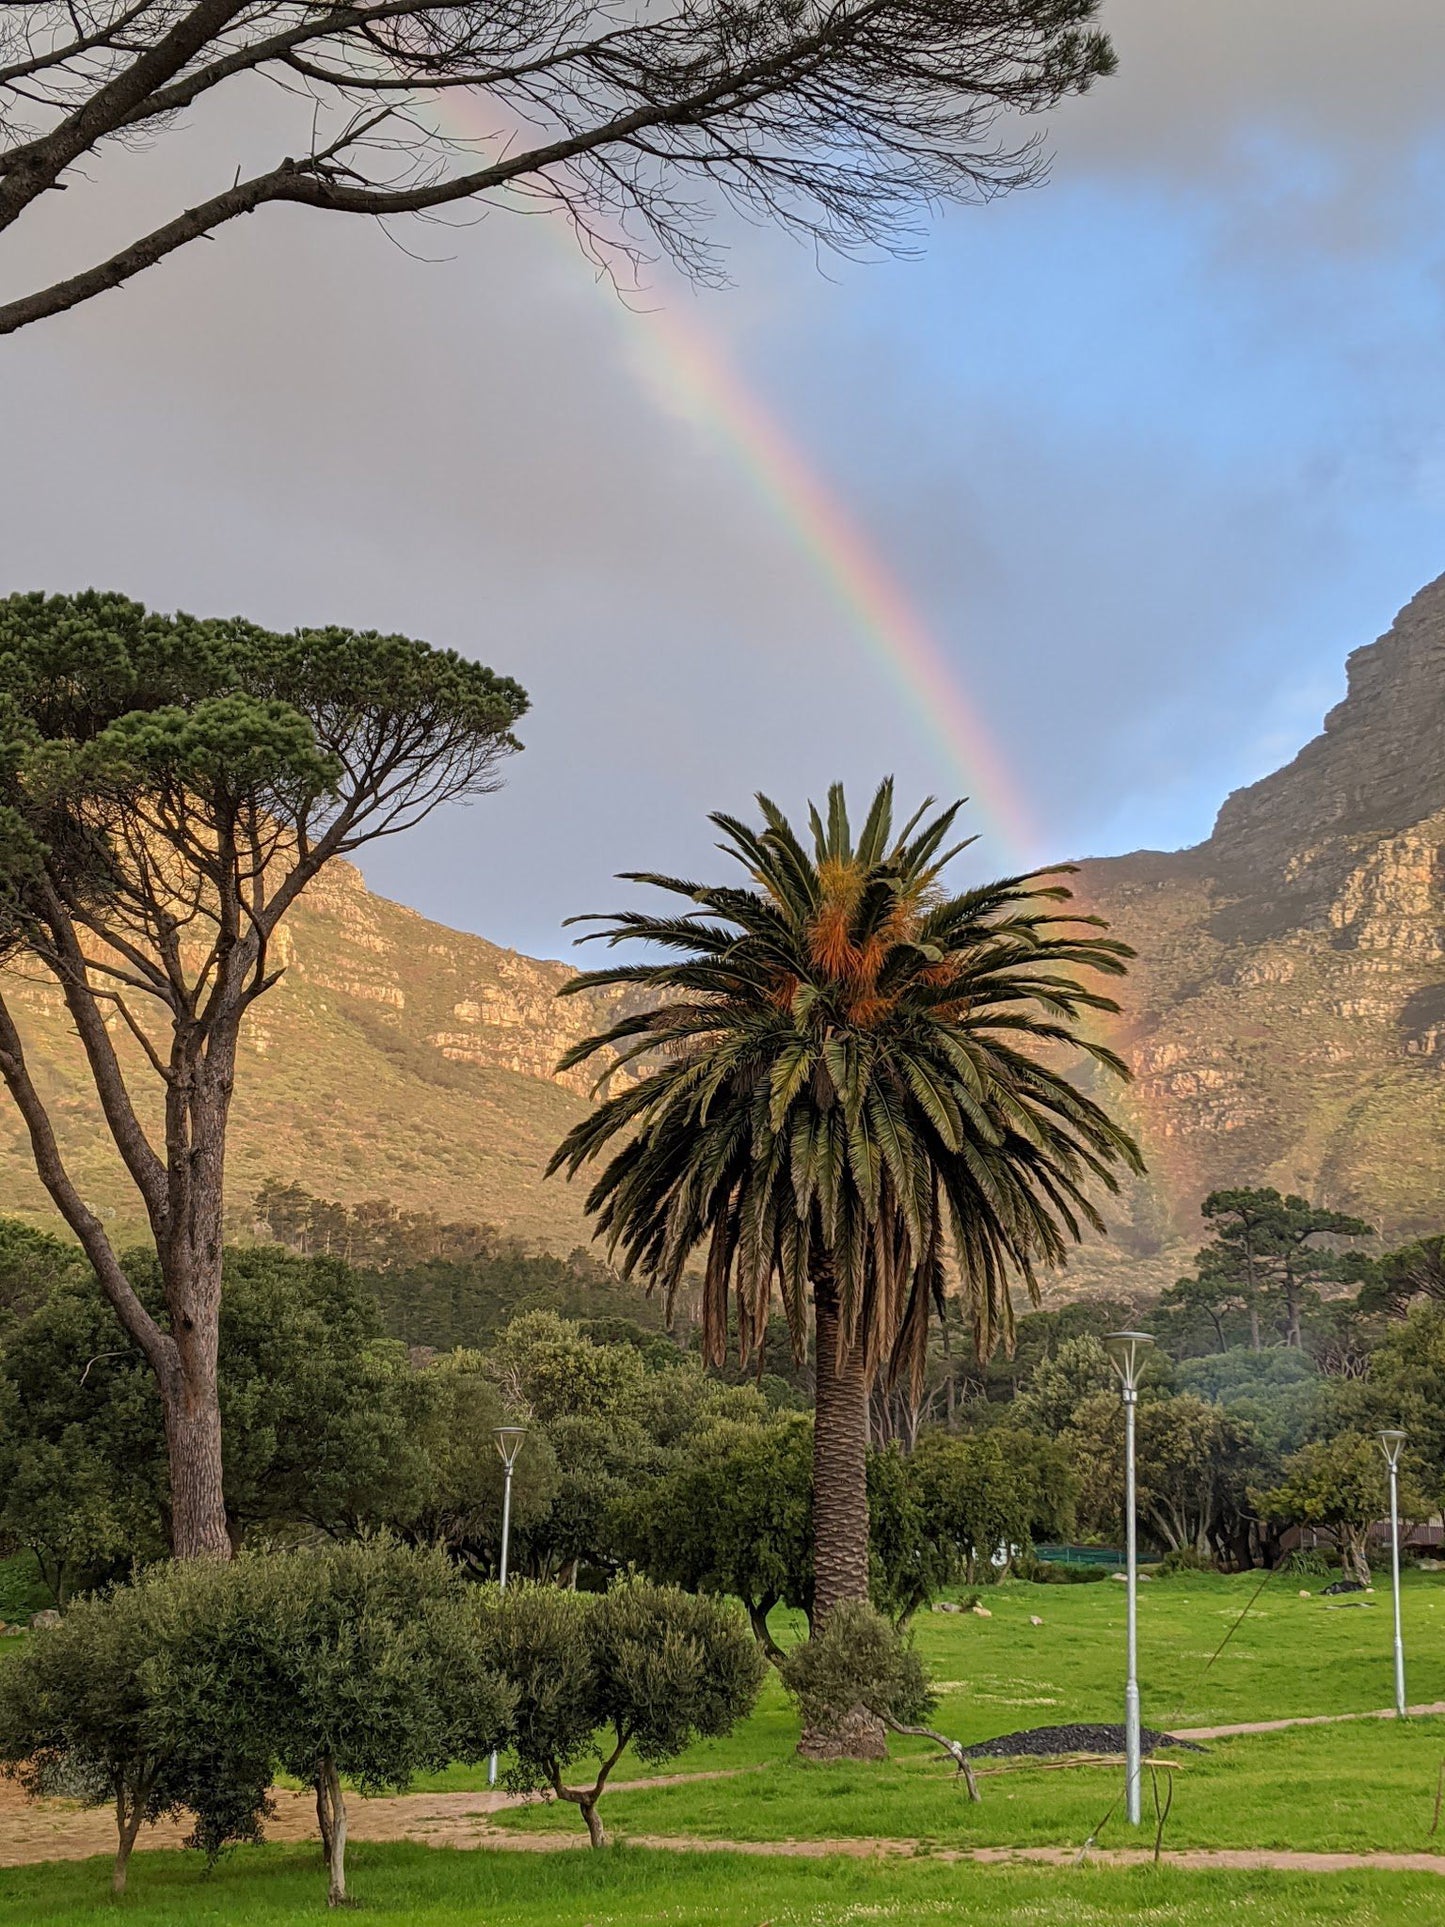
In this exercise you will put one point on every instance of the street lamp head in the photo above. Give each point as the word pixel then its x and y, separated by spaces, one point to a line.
pixel 509 1442
pixel 1124 1349
pixel 1390 1443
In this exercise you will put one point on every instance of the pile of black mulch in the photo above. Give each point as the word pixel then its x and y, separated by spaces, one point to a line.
pixel 1047 1742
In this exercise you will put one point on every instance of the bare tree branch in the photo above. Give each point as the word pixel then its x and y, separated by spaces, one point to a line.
pixel 840 119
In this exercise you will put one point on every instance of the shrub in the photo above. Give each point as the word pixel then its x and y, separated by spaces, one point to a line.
pixel 644 1666
pixel 132 1699
pixel 1311 1562
pixel 365 1665
pixel 858 1661
pixel 1184 1559
pixel 187 1689
pixel 1054 1572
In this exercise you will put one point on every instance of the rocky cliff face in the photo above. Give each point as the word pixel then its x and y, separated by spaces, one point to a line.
pixel 1287 1017
pixel 1286 1020
pixel 1376 770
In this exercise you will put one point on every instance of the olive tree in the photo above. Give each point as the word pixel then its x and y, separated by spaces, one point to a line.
pixel 135 1699
pixel 367 1666
pixel 168 789
pixel 840 121
pixel 855 1676
pixel 641 1666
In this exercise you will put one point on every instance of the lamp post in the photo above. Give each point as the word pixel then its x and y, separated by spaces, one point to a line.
pixel 1124 1349
pixel 509 1443
pixel 1390 1443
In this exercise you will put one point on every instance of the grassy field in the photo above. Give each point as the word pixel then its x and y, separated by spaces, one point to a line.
pixel 434 1887
pixel 1362 1787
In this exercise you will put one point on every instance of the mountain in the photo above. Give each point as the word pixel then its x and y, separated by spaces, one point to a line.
pixel 1286 1019
pixel 395 1059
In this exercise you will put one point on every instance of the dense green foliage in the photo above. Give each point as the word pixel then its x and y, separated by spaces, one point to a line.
pixel 322 1416
pixel 641 1666
pixel 446 1285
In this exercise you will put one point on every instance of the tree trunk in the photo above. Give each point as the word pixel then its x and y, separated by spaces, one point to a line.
pixel 840 1513
pixel 323 1818
pixel 1254 1344
pixel 331 1810
pixel 1352 1553
pixel 127 1826
pixel 193 1446
pixel 595 1832
pixel 758 1610
pixel 191 1254
pixel 840 1465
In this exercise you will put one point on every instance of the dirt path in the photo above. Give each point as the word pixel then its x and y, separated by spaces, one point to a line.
pixel 1310 1719
pixel 1242 1859
pixel 58 1830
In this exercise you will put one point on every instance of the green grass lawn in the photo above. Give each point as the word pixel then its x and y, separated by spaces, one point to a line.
pixel 1288 1656
pixel 428 1886
pixel 22 1591
pixel 1362 1787
pixel 1371 1789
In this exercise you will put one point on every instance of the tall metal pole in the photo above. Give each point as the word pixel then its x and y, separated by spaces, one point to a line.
pixel 509 1444
pixel 1132 1767
pixel 1124 1349
pixel 1390 1443
pixel 506 1526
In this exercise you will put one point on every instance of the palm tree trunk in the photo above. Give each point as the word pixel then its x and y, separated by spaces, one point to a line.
pixel 840 1464
pixel 840 1515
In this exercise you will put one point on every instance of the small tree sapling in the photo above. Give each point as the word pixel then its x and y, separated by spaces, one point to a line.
pixel 645 1666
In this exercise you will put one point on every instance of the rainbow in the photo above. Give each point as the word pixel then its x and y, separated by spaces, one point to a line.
pixel 686 371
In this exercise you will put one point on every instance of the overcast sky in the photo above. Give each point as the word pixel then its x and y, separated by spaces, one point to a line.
pixel 1149 450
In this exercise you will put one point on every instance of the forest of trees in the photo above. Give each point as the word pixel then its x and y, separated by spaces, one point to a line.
pixel 360 1384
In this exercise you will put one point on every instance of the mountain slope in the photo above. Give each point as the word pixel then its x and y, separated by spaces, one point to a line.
pixel 1286 1020
pixel 395 1058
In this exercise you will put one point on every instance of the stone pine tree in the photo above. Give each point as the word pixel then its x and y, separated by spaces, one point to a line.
pixel 840 121
pixel 849 1077
pixel 168 788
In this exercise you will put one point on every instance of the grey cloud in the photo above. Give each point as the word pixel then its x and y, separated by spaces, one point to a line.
pixel 301 422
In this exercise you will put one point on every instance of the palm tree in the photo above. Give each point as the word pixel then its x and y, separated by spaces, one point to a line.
pixel 845 1077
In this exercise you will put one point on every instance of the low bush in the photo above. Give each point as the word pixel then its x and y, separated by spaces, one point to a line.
pixel 186 1690
pixel 858 1664
pixel 1054 1572
pixel 1184 1559
pixel 131 1700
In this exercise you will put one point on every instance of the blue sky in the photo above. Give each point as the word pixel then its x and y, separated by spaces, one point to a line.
pixel 1152 447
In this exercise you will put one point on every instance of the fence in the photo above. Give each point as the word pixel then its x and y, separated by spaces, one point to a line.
pixel 1080 1555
